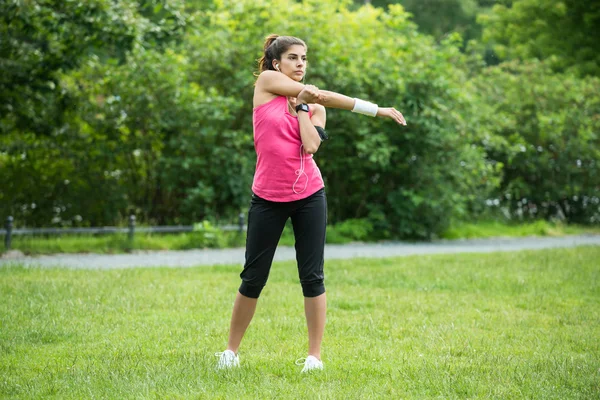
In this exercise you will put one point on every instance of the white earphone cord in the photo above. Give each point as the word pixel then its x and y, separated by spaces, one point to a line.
pixel 300 172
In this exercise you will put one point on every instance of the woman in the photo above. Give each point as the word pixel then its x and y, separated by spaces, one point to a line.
pixel 289 120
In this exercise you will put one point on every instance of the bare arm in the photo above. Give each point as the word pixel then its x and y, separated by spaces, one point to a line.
pixel 319 115
pixel 308 133
pixel 282 85
pixel 337 100
pixel 279 84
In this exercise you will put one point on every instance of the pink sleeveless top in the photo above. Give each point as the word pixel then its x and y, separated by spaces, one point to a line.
pixel 284 172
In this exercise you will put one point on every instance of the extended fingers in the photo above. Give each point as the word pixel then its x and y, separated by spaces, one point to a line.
pixel 402 120
pixel 398 117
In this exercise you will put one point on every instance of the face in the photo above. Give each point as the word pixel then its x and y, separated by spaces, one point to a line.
pixel 293 62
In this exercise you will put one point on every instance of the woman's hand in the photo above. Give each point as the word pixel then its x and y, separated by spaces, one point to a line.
pixel 391 113
pixel 310 94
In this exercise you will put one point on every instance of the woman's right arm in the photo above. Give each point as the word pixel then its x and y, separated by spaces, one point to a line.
pixel 282 85
pixel 337 100
pixel 277 83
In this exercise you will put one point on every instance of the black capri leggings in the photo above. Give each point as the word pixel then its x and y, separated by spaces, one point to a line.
pixel 266 220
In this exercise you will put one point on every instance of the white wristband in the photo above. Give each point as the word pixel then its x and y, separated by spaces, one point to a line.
pixel 364 107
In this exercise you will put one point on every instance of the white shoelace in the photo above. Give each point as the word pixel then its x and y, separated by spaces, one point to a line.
pixel 309 363
pixel 221 353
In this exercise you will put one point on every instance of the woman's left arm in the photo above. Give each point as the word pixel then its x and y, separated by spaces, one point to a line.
pixel 308 133
pixel 319 115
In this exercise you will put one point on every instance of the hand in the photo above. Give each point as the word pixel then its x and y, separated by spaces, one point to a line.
pixel 310 94
pixel 391 113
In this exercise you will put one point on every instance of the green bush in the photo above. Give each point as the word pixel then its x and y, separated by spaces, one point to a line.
pixel 209 236
pixel 544 128
pixel 350 230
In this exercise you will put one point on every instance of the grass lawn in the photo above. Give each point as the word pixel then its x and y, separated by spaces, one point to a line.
pixel 486 229
pixel 118 243
pixel 504 325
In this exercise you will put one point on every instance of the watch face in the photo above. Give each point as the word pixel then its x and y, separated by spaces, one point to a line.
pixel 302 107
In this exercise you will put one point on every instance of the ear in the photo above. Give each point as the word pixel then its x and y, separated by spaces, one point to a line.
pixel 276 65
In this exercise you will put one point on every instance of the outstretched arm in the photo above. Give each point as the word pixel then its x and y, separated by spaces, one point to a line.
pixel 337 100
pixel 280 84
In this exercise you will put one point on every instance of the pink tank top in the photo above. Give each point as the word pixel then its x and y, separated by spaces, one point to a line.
pixel 284 172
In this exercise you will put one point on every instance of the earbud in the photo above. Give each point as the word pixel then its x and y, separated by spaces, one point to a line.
pixel 277 67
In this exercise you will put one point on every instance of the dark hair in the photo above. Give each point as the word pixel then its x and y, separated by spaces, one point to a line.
pixel 275 46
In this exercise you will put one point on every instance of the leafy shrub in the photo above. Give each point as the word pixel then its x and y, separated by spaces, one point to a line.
pixel 210 235
pixel 350 230
pixel 544 128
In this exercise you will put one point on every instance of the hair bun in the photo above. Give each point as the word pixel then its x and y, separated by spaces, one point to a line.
pixel 269 40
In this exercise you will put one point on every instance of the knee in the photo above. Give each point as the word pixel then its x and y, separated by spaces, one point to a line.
pixel 252 291
pixel 313 288
pixel 254 278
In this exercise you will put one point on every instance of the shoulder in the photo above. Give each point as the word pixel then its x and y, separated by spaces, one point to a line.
pixel 261 93
pixel 266 76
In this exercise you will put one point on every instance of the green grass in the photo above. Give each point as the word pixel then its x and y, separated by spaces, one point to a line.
pixel 488 229
pixel 119 243
pixel 504 325
pixel 339 234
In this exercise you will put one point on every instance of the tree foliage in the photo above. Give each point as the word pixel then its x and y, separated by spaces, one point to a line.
pixel 544 128
pixel 42 39
pixel 113 107
pixel 563 32
pixel 440 18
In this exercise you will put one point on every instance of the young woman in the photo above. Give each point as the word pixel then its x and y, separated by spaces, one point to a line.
pixel 289 120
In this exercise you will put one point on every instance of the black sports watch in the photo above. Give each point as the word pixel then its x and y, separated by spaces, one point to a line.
pixel 302 107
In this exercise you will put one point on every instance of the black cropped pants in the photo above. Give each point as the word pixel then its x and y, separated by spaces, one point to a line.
pixel 266 221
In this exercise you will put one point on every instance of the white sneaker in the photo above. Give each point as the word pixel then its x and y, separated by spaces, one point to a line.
pixel 227 359
pixel 310 363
